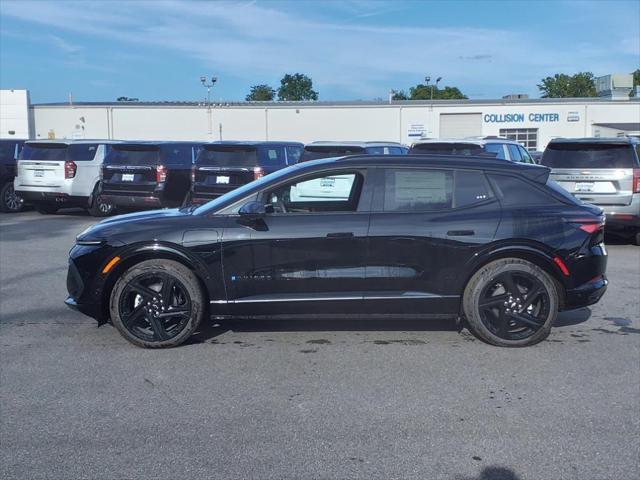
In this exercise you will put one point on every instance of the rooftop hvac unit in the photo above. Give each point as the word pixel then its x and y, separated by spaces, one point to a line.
pixel 615 87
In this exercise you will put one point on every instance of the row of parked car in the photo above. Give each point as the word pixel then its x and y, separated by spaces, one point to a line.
pixel 106 175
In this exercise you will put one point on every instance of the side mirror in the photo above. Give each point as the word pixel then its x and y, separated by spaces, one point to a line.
pixel 253 209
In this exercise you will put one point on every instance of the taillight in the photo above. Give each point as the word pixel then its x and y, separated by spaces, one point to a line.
pixel 70 169
pixel 101 173
pixel 561 265
pixel 257 173
pixel 636 180
pixel 590 227
pixel 161 173
pixel 193 174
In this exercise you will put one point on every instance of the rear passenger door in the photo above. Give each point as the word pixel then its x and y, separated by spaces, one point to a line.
pixel 425 226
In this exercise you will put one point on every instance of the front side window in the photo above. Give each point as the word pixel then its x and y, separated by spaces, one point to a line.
pixel 329 192
pixel 496 148
pixel 514 153
pixel 293 154
pixel 526 158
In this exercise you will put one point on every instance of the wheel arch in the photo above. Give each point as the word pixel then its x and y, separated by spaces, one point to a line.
pixel 536 256
pixel 154 251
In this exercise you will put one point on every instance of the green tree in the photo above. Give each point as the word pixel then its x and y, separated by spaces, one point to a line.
pixel 399 95
pixel 261 93
pixel 427 92
pixel 636 82
pixel 127 99
pixel 296 87
pixel 561 85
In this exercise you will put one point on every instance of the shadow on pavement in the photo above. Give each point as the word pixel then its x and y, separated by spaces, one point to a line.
pixel 494 473
pixel 572 317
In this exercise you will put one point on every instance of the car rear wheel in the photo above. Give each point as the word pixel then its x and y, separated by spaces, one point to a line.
pixel 99 207
pixel 46 209
pixel 636 238
pixel 10 201
pixel 511 303
pixel 157 303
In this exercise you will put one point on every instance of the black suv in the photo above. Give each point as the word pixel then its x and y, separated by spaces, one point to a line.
pixel 148 174
pixel 496 147
pixel 223 166
pixel 318 150
pixel 10 202
pixel 492 241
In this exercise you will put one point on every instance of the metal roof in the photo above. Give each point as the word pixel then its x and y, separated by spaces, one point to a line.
pixel 627 127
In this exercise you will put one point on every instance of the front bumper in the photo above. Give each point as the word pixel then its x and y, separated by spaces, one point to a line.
pixel 586 294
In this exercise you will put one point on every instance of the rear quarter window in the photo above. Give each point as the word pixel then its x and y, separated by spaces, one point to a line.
pixel 589 156
pixel 514 191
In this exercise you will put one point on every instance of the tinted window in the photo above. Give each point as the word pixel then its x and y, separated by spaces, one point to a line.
pixel 447 148
pixel 293 154
pixel 384 151
pixel 580 155
pixel 526 158
pixel 325 193
pixel 314 153
pixel 470 187
pixel 82 152
pixel 42 151
pixel 409 190
pixel 271 156
pixel 133 155
pixel 7 152
pixel 515 191
pixel 228 156
pixel 514 153
pixel 496 148
pixel 177 154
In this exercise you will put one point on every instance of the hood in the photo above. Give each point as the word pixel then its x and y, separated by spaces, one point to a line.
pixel 166 224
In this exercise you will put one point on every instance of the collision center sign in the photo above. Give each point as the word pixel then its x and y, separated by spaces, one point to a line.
pixel 520 117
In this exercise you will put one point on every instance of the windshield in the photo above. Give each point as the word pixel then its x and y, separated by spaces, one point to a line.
pixel 585 156
pixel 447 148
pixel 228 156
pixel 237 194
pixel 315 153
pixel 133 155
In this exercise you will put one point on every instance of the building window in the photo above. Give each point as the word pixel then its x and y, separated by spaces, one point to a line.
pixel 528 137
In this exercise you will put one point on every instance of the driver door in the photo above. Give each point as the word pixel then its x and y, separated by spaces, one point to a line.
pixel 310 246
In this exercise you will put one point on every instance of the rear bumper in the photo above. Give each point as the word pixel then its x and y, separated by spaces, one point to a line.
pixel 59 198
pixel 145 200
pixel 586 294
pixel 623 216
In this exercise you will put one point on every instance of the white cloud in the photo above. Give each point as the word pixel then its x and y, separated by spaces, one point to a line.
pixel 249 40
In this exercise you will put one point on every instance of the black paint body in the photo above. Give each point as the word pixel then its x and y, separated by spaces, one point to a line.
pixel 369 260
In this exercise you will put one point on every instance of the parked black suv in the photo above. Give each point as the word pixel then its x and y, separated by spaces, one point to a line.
pixel 223 166
pixel 492 241
pixel 496 147
pixel 318 150
pixel 148 174
pixel 10 202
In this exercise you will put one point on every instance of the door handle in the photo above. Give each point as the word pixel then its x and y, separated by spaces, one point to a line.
pixel 460 233
pixel 340 235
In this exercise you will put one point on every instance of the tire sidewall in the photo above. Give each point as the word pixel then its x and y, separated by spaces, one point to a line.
pixel 3 206
pixel 484 276
pixel 170 267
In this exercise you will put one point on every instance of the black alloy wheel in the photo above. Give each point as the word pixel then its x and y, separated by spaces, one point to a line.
pixel 157 303
pixel 10 201
pixel 511 302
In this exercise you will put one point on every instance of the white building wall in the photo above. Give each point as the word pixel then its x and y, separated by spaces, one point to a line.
pixel 14 114
pixel 395 122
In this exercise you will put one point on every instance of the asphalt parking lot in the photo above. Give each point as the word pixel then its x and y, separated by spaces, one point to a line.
pixel 341 398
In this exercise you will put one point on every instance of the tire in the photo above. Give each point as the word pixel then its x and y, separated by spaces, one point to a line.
pixel 636 238
pixel 10 201
pixel 100 208
pixel 137 308
pixel 47 209
pixel 500 318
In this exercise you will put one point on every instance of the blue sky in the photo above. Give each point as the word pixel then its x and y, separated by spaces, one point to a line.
pixel 157 50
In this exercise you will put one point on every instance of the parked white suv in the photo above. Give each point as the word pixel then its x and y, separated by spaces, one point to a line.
pixel 54 174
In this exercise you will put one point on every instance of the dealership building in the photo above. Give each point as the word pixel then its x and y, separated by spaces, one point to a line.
pixel 532 122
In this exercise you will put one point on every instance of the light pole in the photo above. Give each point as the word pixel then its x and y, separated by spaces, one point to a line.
pixel 428 79
pixel 208 86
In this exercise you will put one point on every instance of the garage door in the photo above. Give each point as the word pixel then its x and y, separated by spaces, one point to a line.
pixel 460 125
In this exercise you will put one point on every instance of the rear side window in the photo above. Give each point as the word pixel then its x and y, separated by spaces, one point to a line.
pixel 496 148
pixel 315 153
pixel 271 156
pixel 82 152
pixel 448 148
pixel 241 156
pixel 586 156
pixel 514 191
pixel 410 190
pixel 177 154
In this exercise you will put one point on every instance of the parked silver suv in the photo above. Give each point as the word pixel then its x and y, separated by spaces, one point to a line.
pixel 602 171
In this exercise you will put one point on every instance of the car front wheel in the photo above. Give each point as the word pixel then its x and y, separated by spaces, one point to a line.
pixel 10 201
pixel 157 303
pixel 511 303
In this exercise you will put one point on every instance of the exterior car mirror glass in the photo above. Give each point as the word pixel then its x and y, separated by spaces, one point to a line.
pixel 253 208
